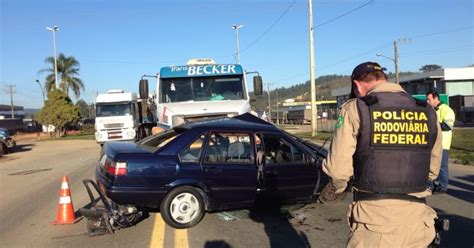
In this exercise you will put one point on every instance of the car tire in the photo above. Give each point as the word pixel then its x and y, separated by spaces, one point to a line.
pixel 183 207
pixel 3 149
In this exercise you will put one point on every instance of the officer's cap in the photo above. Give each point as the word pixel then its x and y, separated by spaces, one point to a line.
pixel 366 67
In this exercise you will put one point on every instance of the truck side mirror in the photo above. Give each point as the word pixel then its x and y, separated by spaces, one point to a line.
pixel 257 85
pixel 143 88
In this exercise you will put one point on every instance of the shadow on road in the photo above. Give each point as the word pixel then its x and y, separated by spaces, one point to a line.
pixel 275 218
pixel 217 244
pixel 469 178
pixel 459 231
pixel 23 147
pixel 467 194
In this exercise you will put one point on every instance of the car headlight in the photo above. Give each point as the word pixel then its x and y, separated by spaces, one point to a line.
pixel 98 136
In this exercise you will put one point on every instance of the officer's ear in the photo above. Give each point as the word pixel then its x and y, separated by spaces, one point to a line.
pixel 354 90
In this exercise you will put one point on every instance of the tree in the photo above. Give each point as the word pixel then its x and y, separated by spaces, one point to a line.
pixel 68 72
pixel 430 67
pixel 84 109
pixel 58 111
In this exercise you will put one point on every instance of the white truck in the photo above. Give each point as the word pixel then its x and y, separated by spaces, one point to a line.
pixel 117 116
pixel 199 90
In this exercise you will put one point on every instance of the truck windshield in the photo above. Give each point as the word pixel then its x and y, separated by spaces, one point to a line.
pixel 201 89
pixel 103 110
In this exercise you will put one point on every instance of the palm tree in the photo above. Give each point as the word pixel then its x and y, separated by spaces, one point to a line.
pixel 68 72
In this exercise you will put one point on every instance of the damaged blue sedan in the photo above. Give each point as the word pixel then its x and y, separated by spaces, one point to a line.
pixel 211 165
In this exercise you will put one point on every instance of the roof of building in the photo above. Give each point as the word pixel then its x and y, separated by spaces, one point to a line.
pixel 5 107
pixel 447 74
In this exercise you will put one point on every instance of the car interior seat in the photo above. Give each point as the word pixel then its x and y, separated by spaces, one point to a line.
pixel 236 153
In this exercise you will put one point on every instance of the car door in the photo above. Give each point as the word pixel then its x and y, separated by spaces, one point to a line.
pixel 288 173
pixel 229 169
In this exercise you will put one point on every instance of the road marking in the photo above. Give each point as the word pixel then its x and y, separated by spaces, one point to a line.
pixel 181 238
pixel 158 233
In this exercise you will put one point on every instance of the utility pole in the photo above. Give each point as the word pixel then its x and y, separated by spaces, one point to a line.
pixel 236 28
pixel 54 29
pixel 314 117
pixel 269 103
pixel 277 113
pixel 395 59
pixel 395 56
pixel 11 90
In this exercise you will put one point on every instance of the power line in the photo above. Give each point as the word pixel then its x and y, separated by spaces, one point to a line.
pixel 442 32
pixel 344 14
pixel 270 27
pixel 431 51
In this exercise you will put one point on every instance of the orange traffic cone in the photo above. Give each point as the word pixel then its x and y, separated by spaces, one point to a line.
pixel 65 213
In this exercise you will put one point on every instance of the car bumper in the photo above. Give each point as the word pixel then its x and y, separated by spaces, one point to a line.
pixel 130 195
pixel 127 134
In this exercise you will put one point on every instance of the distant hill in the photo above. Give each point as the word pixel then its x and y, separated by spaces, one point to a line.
pixel 302 92
pixel 31 111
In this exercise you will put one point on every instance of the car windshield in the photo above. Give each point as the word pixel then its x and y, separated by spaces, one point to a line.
pixel 157 141
pixel 117 109
pixel 201 89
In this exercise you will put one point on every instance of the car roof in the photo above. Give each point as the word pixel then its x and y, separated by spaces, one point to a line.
pixel 245 121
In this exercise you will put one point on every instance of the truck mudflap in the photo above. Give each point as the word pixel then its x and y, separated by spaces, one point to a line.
pixel 104 216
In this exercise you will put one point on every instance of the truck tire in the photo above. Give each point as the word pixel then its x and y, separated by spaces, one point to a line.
pixel 183 207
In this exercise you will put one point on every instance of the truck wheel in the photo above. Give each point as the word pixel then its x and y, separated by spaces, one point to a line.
pixel 183 207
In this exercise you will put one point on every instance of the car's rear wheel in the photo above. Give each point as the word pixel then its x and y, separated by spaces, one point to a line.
pixel 183 207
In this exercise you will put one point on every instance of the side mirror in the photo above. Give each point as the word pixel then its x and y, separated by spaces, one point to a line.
pixel 257 85
pixel 143 89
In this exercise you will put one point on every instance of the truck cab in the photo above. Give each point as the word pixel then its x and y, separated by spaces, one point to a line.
pixel 117 116
pixel 199 90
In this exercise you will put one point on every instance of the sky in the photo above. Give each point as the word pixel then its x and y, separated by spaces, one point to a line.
pixel 116 42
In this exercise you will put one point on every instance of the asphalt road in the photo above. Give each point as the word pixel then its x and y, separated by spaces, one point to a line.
pixel 30 180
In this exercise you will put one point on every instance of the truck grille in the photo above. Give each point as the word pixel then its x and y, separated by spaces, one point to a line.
pixel 113 125
pixel 114 134
pixel 204 117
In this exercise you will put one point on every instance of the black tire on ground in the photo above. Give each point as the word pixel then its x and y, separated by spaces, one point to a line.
pixel 167 208
pixel 3 149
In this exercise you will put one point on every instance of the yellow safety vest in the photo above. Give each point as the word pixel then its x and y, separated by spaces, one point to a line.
pixel 446 115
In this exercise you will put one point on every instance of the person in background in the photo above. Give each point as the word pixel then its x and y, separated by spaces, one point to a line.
pixel 446 119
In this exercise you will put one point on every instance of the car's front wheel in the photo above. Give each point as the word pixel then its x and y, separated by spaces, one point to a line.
pixel 183 207
pixel 3 149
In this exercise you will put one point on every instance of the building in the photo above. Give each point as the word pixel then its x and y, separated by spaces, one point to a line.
pixel 6 111
pixel 455 86
pixel 6 120
pixel 449 81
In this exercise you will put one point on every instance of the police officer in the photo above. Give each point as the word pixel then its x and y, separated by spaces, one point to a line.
pixel 391 145
pixel 446 119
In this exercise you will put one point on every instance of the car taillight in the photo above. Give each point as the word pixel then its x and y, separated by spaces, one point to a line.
pixel 116 168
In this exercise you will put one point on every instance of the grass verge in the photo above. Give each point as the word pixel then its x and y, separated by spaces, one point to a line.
pixel 77 137
pixel 462 147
